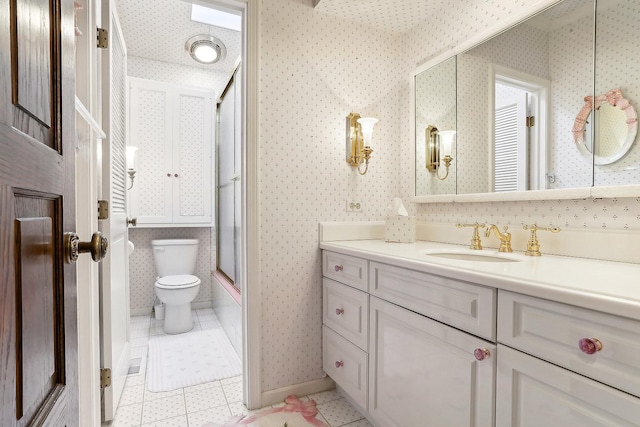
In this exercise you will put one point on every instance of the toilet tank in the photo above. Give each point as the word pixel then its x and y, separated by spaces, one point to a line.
pixel 174 256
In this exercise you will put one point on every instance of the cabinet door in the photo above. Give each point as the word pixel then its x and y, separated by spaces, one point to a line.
pixel 533 393
pixel 150 130
pixel 172 126
pixel 423 373
pixel 192 163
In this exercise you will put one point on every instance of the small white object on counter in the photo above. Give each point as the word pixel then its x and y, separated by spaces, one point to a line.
pixel 399 226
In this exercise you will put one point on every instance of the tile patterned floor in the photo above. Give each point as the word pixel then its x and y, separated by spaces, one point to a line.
pixel 214 401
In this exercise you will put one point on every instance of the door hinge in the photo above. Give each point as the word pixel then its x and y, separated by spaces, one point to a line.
pixel 103 38
pixel 105 377
pixel 531 121
pixel 103 209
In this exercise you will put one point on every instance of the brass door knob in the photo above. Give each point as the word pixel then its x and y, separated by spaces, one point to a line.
pixel 73 247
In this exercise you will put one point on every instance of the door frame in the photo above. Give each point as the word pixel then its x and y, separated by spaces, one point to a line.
pixel 90 134
pixel 251 297
pixel 540 89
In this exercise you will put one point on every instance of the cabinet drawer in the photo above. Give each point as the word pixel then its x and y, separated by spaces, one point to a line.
pixel 552 331
pixel 346 364
pixel 345 269
pixel 532 393
pixel 346 311
pixel 460 304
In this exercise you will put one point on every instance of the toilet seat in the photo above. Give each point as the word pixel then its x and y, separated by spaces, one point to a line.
pixel 179 281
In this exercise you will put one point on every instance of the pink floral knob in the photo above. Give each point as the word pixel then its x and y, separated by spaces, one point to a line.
pixel 481 353
pixel 339 363
pixel 337 268
pixel 339 311
pixel 590 345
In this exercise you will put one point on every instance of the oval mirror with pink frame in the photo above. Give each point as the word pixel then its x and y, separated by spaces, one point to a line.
pixel 616 129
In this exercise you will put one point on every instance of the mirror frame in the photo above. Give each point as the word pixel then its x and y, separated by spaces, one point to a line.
pixel 616 100
pixel 627 190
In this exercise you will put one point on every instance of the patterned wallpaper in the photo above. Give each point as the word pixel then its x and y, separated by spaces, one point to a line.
pixel 604 214
pixel 314 70
pixel 317 68
pixel 436 106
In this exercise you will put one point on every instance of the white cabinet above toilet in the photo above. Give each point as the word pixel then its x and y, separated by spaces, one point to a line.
pixel 173 129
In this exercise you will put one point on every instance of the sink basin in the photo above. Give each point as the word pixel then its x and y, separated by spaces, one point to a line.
pixel 468 256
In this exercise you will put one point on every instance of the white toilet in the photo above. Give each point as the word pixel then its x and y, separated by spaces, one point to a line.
pixel 176 286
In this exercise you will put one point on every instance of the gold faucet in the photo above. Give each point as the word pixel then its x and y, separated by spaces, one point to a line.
pixel 475 238
pixel 505 237
pixel 533 248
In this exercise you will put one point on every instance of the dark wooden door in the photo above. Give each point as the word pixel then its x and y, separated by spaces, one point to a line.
pixel 38 338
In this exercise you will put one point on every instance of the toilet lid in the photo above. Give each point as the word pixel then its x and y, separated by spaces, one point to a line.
pixel 177 280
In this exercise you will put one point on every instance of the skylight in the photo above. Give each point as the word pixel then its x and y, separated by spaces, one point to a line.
pixel 216 17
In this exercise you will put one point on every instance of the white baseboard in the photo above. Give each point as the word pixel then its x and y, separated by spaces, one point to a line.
pixel 140 311
pixel 272 397
pixel 147 310
pixel 201 304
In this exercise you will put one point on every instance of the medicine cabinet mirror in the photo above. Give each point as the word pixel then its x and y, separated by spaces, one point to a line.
pixel 516 100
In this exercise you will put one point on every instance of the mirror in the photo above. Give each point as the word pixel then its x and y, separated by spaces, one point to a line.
pixel 435 106
pixel 617 126
pixel 537 72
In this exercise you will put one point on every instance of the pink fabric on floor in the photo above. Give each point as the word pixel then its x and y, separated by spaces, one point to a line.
pixel 307 410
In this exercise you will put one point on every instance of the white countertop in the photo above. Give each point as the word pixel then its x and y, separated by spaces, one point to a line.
pixel 610 287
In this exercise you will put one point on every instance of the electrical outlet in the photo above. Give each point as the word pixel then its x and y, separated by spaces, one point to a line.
pixel 353 206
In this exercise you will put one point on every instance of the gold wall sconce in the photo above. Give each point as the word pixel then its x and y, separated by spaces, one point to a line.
pixel 359 134
pixel 131 171
pixel 438 146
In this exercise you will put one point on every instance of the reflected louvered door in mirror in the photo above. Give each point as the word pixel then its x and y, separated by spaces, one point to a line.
pixel 38 339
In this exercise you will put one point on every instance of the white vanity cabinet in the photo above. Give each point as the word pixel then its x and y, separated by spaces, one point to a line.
pixel 573 347
pixel 400 367
pixel 557 339
pixel 173 128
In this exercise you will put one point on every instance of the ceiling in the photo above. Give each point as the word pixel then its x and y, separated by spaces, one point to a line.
pixel 396 16
pixel 158 30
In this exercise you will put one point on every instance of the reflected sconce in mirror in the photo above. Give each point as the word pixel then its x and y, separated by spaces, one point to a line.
pixel 439 146
pixel 131 156
pixel 359 134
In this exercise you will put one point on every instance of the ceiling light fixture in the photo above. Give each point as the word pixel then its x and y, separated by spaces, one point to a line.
pixel 205 49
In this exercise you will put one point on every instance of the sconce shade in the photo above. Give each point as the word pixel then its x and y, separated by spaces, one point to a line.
pixel 446 142
pixel 131 156
pixel 367 124
pixel 359 135
pixel 438 147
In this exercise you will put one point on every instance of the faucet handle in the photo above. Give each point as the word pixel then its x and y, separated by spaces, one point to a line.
pixel 475 238
pixel 533 248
